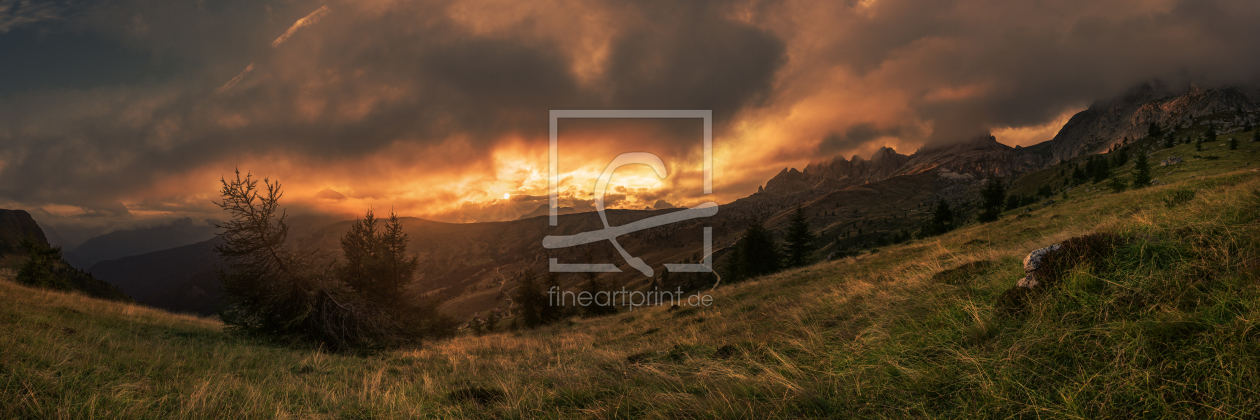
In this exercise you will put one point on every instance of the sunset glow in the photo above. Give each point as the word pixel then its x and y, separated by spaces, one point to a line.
pixel 417 110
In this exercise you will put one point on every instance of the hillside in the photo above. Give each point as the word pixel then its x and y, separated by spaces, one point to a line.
pixel 1164 323
pixel 180 279
pixel 124 243
pixel 1128 117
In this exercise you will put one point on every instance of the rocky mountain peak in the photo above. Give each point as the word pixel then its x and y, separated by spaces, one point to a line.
pixel 979 156
pixel 1108 122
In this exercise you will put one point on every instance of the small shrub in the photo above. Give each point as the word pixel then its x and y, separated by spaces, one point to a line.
pixel 1093 249
pixel 1178 197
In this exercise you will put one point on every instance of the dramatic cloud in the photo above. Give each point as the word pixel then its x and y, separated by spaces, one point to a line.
pixel 115 112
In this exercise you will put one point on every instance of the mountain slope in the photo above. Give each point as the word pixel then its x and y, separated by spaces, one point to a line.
pixel 123 243
pixel 181 279
pixel 1110 122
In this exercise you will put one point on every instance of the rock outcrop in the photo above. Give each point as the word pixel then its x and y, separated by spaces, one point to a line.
pixel 979 157
pixel 1035 260
pixel 1107 123
pixel 14 226
pixel 838 173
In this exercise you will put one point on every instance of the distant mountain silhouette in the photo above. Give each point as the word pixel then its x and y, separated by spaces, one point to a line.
pixel 125 243
pixel 542 211
pixel 180 279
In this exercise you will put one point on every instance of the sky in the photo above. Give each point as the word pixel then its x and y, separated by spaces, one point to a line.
pixel 128 112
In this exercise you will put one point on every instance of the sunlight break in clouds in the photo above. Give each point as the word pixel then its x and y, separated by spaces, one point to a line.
pixel 236 79
pixel 438 109
pixel 310 19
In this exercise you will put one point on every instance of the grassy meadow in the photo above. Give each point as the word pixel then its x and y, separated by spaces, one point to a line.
pixel 1167 325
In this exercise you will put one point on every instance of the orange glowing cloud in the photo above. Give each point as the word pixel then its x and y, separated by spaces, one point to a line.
pixel 439 109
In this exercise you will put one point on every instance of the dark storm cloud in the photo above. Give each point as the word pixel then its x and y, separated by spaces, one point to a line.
pixel 853 138
pixel 463 76
pixel 690 57
pixel 358 80
pixel 973 65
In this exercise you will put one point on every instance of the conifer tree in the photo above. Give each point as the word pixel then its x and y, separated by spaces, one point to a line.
pixel 38 269
pixel 1117 184
pixel 1141 172
pixel 1102 171
pixel 377 264
pixel 994 195
pixel 942 221
pixel 277 290
pixel 530 299
pixel 757 252
pixel 553 308
pixel 492 321
pixel 597 307
pixel 799 241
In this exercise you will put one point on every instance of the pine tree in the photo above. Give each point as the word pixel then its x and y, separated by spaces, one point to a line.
pixel 273 289
pixel 593 287
pixel 38 269
pixel 377 265
pixel 264 290
pixel 400 267
pixel 1141 172
pixel 1233 143
pixel 553 309
pixel 1152 130
pixel 492 320
pixel 1211 133
pixel 758 253
pixel 799 241
pixel 1101 170
pixel 994 195
pixel 1117 184
pixel 1120 158
pixel 530 299
pixel 1198 145
pixel 942 221
pixel 1079 176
